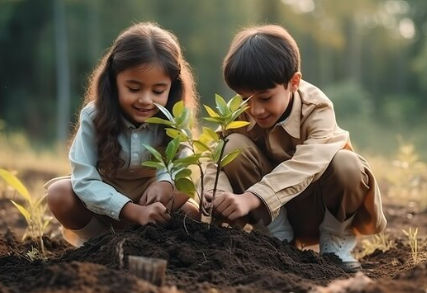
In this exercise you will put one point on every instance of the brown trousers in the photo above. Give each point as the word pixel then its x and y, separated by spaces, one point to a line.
pixel 342 188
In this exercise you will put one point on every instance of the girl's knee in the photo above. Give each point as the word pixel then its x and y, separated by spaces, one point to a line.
pixel 60 195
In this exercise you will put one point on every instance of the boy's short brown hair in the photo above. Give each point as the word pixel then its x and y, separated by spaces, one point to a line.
pixel 261 57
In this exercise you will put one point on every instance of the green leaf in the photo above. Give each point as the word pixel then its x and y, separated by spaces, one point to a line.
pixel 190 160
pixel 186 185
pixel 165 112
pixel 171 149
pixel 152 164
pixel 174 133
pixel 229 157
pixel 183 174
pixel 238 112
pixel 211 112
pixel 235 103
pixel 221 105
pixel 216 120
pixel 23 211
pixel 183 120
pixel 157 120
pixel 178 108
pixel 206 140
pixel 154 152
pixel 200 146
pixel 217 151
pixel 187 133
pixel 236 124
pixel 46 223
pixel 13 181
pixel 210 133
pixel 39 201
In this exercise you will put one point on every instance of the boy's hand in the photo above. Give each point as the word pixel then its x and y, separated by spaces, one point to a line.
pixel 153 213
pixel 157 192
pixel 233 206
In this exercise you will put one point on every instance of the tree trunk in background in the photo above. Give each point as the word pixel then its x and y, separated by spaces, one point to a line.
pixel 354 51
pixel 62 71
pixel 94 35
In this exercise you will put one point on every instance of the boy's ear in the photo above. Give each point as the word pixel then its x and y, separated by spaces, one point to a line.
pixel 295 81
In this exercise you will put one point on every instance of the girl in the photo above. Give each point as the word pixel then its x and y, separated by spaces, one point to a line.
pixel 108 186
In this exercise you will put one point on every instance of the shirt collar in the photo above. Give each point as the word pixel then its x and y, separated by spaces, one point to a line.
pixel 130 125
pixel 292 124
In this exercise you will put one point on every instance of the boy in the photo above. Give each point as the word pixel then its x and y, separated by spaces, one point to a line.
pixel 297 175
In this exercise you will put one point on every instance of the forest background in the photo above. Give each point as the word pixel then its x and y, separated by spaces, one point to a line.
pixel 368 56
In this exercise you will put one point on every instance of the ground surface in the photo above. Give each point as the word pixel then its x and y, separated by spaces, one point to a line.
pixel 201 260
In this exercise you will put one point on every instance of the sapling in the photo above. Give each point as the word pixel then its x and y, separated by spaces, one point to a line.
pixel 34 212
pixel 209 146
pixel 177 168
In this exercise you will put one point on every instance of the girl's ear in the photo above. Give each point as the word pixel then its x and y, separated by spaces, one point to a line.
pixel 295 81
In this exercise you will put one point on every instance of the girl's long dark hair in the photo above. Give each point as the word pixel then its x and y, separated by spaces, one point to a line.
pixel 142 43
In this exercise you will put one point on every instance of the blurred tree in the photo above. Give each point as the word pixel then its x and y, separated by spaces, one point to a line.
pixel 380 45
pixel 62 71
pixel 26 72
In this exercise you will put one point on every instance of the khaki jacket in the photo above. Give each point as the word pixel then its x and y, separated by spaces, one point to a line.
pixel 302 147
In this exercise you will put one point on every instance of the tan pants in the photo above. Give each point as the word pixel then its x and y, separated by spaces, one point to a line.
pixel 341 194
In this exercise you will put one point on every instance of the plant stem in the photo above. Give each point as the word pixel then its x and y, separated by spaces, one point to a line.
pixel 202 190
pixel 218 170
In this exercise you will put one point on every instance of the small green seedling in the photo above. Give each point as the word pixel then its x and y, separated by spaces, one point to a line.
pixel 413 243
pixel 177 168
pixel 380 242
pixel 33 254
pixel 33 212
pixel 208 147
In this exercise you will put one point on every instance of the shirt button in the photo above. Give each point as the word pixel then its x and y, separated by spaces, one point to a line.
pixel 113 213
pixel 135 135
pixel 135 156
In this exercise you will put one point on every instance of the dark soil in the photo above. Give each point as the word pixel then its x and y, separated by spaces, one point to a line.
pixel 204 260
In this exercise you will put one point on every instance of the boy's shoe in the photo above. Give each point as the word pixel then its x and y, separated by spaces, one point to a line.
pixel 280 227
pixel 338 239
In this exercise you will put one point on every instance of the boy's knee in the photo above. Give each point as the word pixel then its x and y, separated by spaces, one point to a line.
pixel 237 141
pixel 348 168
pixel 248 150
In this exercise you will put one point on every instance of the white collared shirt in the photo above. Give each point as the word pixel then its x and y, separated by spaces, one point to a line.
pixel 88 184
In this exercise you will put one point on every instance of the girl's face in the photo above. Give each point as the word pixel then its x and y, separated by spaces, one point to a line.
pixel 268 106
pixel 139 88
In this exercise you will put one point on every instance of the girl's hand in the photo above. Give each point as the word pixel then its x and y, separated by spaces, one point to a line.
pixel 233 206
pixel 161 191
pixel 191 209
pixel 153 213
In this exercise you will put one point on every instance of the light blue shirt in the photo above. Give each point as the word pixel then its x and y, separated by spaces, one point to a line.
pixel 98 196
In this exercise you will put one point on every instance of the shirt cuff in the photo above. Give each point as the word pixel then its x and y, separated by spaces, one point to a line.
pixel 116 205
pixel 268 197
pixel 163 176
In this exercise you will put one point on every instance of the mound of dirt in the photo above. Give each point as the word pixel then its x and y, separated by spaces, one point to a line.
pixel 199 260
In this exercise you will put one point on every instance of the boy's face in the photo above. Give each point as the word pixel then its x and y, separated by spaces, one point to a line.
pixel 268 106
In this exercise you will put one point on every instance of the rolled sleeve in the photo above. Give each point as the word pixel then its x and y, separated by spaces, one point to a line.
pixel 310 160
pixel 98 196
pixel 162 175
